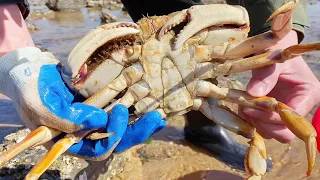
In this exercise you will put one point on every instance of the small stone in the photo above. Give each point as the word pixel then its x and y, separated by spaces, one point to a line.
pixel 70 5
pixel 32 27
pixel 27 166
pixel 107 17
pixel 19 139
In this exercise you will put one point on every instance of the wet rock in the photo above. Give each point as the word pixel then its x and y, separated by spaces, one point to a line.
pixel 107 169
pixel 158 151
pixel 110 4
pixel 107 18
pixel 66 5
pixel 95 3
pixel 124 9
pixel 43 49
pixel 72 5
pixel 40 14
pixel 32 28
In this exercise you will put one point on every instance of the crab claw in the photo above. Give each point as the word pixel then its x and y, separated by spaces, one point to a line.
pixel 98 52
pixel 234 44
pixel 303 129
pixel 177 19
pixel 282 19
pixel 97 136
pixel 255 161
pixel 201 17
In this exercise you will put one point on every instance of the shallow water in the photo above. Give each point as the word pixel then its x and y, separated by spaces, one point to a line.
pixel 169 156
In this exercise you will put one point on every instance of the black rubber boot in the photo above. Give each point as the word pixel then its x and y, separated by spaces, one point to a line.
pixel 207 134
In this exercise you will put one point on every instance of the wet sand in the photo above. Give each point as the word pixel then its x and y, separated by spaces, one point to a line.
pixel 168 155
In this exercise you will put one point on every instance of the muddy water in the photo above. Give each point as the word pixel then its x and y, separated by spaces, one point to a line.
pixel 169 156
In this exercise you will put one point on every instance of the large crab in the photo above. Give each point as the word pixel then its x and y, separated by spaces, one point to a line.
pixel 169 64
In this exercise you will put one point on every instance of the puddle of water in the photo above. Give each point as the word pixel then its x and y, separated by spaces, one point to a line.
pixel 8 115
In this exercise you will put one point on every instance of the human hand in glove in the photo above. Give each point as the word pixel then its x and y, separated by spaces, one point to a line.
pixel 33 82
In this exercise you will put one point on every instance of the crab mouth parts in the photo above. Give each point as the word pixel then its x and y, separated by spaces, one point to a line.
pixel 101 54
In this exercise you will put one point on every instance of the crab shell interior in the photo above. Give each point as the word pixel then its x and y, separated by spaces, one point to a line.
pixel 91 66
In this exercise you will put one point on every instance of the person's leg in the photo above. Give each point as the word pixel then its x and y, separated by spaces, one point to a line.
pixel 200 130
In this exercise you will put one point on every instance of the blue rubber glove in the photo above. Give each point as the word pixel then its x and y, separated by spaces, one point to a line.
pixel 59 100
pixel 128 136
pixel 141 130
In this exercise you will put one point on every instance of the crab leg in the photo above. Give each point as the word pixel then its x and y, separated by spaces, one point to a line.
pixel 209 70
pixel 37 137
pixel 129 76
pixel 255 161
pixel 302 128
pixel 135 93
pixel 60 147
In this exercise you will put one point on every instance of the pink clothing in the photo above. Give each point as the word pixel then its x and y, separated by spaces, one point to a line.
pixel 13 30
